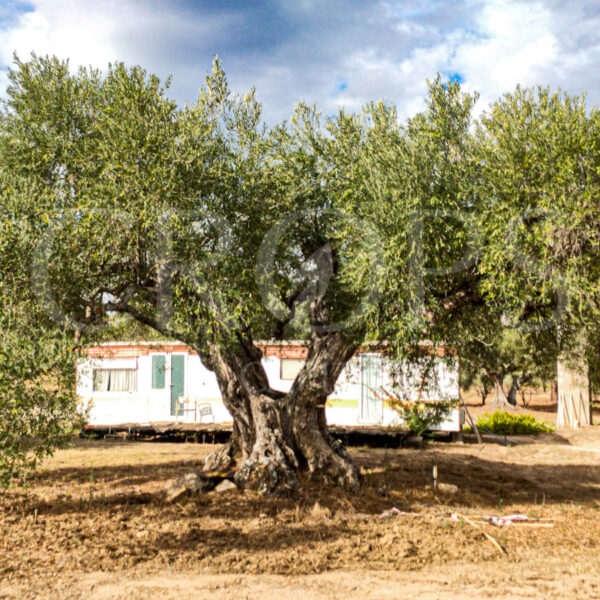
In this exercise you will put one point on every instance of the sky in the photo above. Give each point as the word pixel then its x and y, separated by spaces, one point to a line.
pixel 337 53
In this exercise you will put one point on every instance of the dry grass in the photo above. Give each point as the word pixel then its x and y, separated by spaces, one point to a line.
pixel 94 523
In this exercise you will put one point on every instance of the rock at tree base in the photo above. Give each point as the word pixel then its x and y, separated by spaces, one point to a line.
pixel 198 482
pixel 225 486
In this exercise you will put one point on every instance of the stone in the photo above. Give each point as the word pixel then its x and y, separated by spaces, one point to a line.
pixel 447 488
pixel 225 486
pixel 190 483
pixel 174 492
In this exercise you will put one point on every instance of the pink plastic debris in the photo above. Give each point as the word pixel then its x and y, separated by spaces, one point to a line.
pixel 499 521
pixel 391 512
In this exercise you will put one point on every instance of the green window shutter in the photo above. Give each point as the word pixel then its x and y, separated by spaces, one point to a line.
pixel 158 372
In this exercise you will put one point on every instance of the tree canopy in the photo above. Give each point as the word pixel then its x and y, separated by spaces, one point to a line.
pixel 209 227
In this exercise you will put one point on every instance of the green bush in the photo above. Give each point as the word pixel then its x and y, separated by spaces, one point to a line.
pixel 419 416
pixel 504 423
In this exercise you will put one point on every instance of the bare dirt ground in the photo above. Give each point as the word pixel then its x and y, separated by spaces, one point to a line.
pixel 93 523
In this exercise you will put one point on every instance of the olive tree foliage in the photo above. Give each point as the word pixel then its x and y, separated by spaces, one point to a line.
pixel 540 228
pixel 207 227
pixel 37 401
pixel 541 178
pixel 423 178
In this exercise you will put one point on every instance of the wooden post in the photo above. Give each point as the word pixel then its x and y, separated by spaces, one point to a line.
pixel 471 420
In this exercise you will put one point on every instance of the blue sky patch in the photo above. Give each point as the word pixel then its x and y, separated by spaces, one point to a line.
pixel 11 10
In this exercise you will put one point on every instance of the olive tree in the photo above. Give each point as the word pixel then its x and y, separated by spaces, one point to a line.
pixel 206 226
pixel 540 188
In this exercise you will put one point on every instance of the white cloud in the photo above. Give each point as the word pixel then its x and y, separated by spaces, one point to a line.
pixel 506 43
pixel 379 50
pixel 516 43
pixel 372 75
pixel 65 28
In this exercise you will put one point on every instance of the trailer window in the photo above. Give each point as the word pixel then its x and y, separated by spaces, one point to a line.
pixel 115 380
pixel 290 367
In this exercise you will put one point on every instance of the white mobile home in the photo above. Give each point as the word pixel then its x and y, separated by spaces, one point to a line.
pixel 159 382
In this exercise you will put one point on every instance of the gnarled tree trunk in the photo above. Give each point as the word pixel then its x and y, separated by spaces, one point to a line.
pixel 325 458
pixel 500 399
pixel 281 437
pixel 511 396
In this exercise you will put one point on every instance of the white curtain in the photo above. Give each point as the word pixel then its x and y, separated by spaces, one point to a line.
pixel 122 380
pixel 115 380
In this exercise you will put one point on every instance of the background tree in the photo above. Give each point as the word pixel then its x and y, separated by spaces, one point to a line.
pixel 504 362
pixel 539 219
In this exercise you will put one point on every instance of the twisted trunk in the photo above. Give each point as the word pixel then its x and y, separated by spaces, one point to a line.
pixel 511 396
pixel 279 438
pixel 324 457
pixel 516 385
pixel 500 399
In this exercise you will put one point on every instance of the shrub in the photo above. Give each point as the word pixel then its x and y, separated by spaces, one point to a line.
pixel 421 415
pixel 504 423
